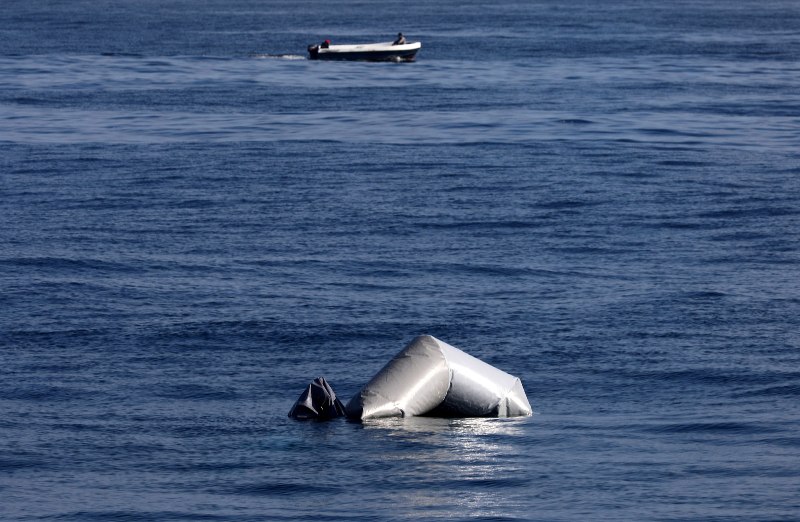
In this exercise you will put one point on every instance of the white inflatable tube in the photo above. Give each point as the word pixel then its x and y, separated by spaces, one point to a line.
pixel 430 377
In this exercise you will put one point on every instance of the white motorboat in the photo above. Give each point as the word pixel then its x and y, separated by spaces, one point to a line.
pixel 374 52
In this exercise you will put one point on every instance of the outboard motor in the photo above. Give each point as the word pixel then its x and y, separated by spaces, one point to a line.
pixel 313 51
pixel 317 402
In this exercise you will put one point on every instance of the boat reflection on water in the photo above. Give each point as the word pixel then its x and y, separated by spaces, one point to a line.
pixel 435 426
pixel 439 465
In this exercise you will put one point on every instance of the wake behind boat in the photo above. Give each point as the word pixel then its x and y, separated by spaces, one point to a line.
pixel 374 52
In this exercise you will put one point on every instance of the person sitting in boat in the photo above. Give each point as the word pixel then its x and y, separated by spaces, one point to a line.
pixel 325 44
pixel 400 39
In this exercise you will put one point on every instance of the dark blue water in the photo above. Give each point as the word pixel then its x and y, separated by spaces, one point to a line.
pixel 602 198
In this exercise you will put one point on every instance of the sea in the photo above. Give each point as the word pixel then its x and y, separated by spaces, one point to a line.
pixel 599 197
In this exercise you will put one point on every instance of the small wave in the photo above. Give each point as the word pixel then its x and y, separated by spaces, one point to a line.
pixel 783 390
pixel 704 376
pixel 710 427
pixel 188 467
pixel 56 263
pixel 122 55
pixel 676 225
pixel 705 294
pixel 656 131
pixel 138 515
pixel 28 100
pixel 682 163
pixel 261 56
pixel 197 392
pixel 10 464
pixel 740 236
pixel 43 393
pixel 494 483
pixel 567 204
pixel 749 212
pixel 587 250
pixel 285 489
pixel 482 225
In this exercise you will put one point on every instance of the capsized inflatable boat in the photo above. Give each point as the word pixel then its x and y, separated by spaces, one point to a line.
pixel 430 377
